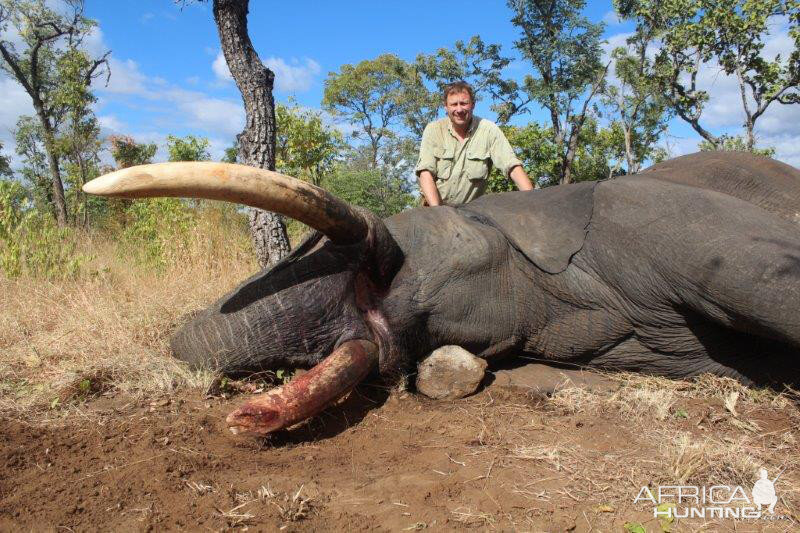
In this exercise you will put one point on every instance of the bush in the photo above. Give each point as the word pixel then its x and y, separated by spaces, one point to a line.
pixel 32 244
pixel 368 188
pixel 156 231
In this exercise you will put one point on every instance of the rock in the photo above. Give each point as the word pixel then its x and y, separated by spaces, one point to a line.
pixel 449 373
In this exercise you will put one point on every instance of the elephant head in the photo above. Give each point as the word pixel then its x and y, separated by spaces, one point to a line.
pixel 316 307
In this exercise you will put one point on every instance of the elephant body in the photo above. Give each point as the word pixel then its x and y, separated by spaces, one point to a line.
pixel 690 266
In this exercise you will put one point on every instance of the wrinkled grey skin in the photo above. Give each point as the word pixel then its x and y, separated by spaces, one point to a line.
pixel 691 266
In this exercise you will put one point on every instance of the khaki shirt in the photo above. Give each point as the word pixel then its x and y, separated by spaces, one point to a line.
pixel 460 168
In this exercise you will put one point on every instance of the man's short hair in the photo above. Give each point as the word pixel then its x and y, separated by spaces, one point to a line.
pixel 458 87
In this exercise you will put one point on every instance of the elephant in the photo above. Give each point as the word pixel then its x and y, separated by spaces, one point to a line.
pixel 690 266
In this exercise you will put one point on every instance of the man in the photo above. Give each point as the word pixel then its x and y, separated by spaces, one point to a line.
pixel 457 153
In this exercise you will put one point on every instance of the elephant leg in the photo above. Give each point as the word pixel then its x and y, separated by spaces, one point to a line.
pixel 698 346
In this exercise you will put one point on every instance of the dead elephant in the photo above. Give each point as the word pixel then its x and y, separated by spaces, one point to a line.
pixel 690 266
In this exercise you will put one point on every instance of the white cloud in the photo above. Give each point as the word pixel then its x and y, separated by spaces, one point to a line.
pixel 217 147
pixel 127 79
pixel 787 148
pixel 613 41
pixel 16 102
pixel 93 44
pixel 222 117
pixel 611 18
pixel 294 77
pixel 220 68
pixel 109 124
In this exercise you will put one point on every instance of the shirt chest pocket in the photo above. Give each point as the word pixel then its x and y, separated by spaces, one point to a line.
pixel 478 164
pixel 445 158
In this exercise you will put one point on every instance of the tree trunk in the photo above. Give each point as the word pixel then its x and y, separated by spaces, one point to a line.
pixel 257 140
pixel 569 157
pixel 633 166
pixel 59 201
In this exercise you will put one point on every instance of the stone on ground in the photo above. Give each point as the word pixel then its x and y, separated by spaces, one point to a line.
pixel 449 373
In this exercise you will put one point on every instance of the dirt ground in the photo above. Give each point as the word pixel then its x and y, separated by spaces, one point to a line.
pixel 510 457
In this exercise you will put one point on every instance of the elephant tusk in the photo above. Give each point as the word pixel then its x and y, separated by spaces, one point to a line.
pixel 308 394
pixel 255 187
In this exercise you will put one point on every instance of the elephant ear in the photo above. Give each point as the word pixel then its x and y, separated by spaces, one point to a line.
pixel 769 184
pixel 547 225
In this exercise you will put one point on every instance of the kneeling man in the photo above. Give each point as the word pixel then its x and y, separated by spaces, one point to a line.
pixel 458 151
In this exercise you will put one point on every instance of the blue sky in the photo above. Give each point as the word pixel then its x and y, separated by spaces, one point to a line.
pixel 168 76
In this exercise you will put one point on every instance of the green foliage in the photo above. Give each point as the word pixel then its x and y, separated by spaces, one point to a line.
pixel 634 527
pixel 635 103
pixel 231 154
pixel 305 147
pixel 156 231
pixel 189 148
pixel 128 153
pixel 5 166
pixel 540 156
pixel 374 95
pixel 78 138
pixel 534 147
pixel 49 65
pixel 30 242
pixel 698 32
pixel 368 188
pixel 734 144
pixel 480 65
pixel 35 173
pixel 563 47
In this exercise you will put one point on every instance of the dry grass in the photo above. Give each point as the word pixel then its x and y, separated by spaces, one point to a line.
pixel 719 440
pixel 108 330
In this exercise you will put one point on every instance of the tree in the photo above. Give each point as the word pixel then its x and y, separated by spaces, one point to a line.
pixel 305 146
pixel 367 188
pixel 231 154
pixel 734 144
pixel 695 35
pixel 78 138
pixel 30 145
pixel 563 48
pixel 46 36
pixel 478 64
pixel 534 145
pixel 636 104
pixel 189 148
pixel 373 95
pixel 128 153
pixel 257 141
pixel 5 165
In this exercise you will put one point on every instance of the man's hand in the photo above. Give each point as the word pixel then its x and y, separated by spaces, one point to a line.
pixel 521 179
pixel 427 185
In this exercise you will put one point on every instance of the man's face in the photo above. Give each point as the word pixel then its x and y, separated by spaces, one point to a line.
pixel 459 108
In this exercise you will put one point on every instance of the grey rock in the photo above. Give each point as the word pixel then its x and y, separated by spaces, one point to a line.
pixel 449 373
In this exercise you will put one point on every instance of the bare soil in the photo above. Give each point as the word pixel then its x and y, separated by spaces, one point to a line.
pixel 506 458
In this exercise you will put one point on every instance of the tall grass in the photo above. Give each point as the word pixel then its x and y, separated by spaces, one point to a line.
pixel 106 326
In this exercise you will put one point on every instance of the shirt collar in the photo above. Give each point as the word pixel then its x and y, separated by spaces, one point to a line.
pixel 472 126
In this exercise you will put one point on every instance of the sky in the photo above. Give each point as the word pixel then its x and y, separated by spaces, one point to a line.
pixel 168 76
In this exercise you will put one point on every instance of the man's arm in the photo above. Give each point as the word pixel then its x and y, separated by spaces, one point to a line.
pixel 426 166
pixel 506 160
pixel 427 184
pixel 521 179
